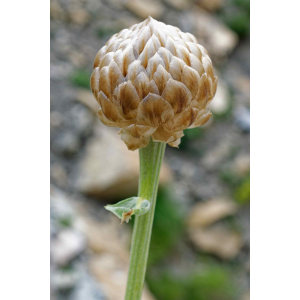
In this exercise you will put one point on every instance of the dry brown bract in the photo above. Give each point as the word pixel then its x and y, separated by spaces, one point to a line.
pixel 153 80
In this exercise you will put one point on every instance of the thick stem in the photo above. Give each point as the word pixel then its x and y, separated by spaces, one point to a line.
pixel 150 163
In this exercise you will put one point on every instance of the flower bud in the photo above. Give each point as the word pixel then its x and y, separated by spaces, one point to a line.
pixel 152 80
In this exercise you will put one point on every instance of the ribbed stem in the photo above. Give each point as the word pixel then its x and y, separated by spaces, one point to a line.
pixel 150 163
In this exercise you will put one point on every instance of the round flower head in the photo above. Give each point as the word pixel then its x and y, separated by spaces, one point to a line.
pixel 152 80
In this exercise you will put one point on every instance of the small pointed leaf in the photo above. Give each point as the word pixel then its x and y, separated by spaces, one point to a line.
pixel 128 207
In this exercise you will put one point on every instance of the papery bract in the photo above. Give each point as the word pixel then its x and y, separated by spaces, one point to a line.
pixel 152 80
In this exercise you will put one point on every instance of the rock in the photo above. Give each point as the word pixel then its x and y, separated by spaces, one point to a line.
pixel 62 45
pixel 69 272
pixel 126 21
pixel 179 4
pixel 242 84
pixel 87 288
pixel 218 39
pixel 188 170
pixel 67 245
pixel 210 5
pixel 112 273
pixel 108 242
pixel 118 3
pixel 109 169
pixel 238 79
pixel 66 144
pixel 68 242
pixel 242 118
pixel 56 119
pixel 64 280
pixel 209 212
pixel 82 120
pixel 112 238
pixel 76 284
pixel 106 262
pixel 60 204
pixel 217 240
pixel 53 228
pixel 60 70
pixel 56 11
pixel 246 296
pixel 145 8
pixel 212 159
pixel 59 175
pixel 110 270
pixel 221 102
pixel 208 187
pixel 87 98
pixel 78 58
pixel 79 16
pixel 241 165
pixel 94 6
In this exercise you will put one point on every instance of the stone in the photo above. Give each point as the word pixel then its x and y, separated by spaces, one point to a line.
pixel 83 120
pixel 79 16
pixel 143 9
pixel 217 240
pixel 87 98
pixel 112 238
pixel 238 79
pixel 59 175
pixel 66 144
pixel 126 22
pixel 63 280
pixel 179 4
pixel 241 165
pixel 108 169
pixel 69 272
pixel 56 119
pixel 246 296
pixel 62 45
pixel 60 70
pixel 216 37
pixel 94 6
pixel 188 170
pixel 208 187
pixel 56 11
pixel 108 242
pixel 242 83
pixel 242 118
pixel 210 237
pixel 206 213
pixel 87 288
pixel 118 3
pixel 221 102
pixel 67 245
pixel 60 204
pixel 53 228
pixel 210 5
pixel 78 58
pixel 102 274
pixel 212 159
pixel 112 273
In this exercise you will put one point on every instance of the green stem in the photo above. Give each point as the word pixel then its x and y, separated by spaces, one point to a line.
pixel 150 163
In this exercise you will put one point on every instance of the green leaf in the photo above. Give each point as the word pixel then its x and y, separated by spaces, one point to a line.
pixel 128 207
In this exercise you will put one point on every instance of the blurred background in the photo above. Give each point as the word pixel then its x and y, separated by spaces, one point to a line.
pixel 200 243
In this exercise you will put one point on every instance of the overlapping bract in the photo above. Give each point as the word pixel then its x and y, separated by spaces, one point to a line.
pixel 153 80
